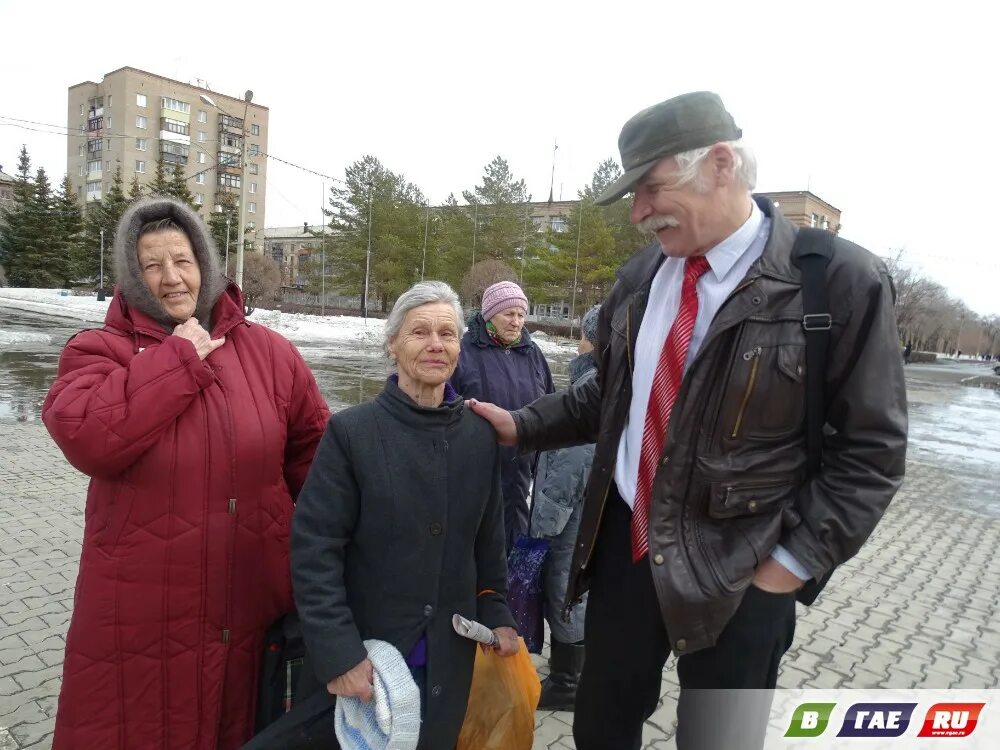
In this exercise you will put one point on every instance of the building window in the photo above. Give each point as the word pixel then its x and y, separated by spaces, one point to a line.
pixel 81 111
pixel 107 165
pixel 140 122
pixel 558 224
pixel 140 167
pixel 253 187
pixel 82 149
pixel 255 130
pixel 94 145
pixel 140 100
pixel 229 180
pixel 202 115
pixel 200 179
pixel 109 123
pixel 175 104
pixel 107 144
pixel 254 149
pixel 199 199
pixel 202 136
pixel 93 167
pixel 201 157
pixel 110 99
pixel 251 207
pixel 140 144
pixel 253 169
pixel 228 160
pixel 82 170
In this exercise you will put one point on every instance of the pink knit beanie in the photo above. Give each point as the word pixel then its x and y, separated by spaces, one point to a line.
pixel 503 296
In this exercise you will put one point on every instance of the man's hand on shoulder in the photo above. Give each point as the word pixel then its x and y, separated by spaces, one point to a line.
pixel 501 420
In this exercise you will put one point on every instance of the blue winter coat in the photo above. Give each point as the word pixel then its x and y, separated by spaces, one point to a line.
pixel 510 378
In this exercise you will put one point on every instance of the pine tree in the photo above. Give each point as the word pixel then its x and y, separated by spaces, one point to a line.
pixel 14 223
pixel 217 224
pixel 160 185
pixel 178 187
pixel 71 237
pixel 105 214
pixel 502 224
pixel 36 263
pixel 135 190
pixel 397 232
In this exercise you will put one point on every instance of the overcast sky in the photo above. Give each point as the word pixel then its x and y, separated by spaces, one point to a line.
pixel 885 110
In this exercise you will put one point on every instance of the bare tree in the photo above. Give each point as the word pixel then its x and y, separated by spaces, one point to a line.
pixel 261 281
pixel 483 275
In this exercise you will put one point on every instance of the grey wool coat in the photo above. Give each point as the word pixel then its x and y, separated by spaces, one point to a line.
pixel 400 526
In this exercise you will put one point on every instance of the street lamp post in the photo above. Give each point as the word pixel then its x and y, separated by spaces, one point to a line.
pixel 241 226
pixel 100 289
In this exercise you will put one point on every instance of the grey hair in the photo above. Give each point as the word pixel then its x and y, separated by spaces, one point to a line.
pixel 689 164
pixel 421 293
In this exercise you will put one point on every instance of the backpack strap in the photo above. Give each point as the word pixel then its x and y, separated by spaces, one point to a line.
pixel 811 253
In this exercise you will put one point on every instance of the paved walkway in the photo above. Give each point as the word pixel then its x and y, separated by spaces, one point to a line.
pixel 918 607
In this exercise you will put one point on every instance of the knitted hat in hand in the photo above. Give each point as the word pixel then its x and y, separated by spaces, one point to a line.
pixel 503 296
pixel 588 325
pixel 392 720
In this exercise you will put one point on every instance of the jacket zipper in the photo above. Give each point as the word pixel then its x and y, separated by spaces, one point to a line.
pixel 753 354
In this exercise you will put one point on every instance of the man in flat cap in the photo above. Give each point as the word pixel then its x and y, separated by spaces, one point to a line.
pixel 701 520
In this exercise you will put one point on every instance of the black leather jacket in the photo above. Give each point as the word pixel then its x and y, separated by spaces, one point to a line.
pixel 732 480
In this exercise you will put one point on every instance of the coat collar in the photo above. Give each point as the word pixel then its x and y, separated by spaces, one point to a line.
pixel 406 410
pixel 481 337
pixel 226 315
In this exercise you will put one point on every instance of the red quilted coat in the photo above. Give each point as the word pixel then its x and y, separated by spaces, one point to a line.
pixel 194 468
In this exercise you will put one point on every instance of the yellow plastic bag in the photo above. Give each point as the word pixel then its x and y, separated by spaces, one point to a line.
pixel 502 703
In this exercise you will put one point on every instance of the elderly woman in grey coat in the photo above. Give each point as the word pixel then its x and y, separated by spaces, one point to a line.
pixel 555 514
pixel 400 525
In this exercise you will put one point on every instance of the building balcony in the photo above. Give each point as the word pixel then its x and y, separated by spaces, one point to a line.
pixel 173 158
pixel 226 190
pixel 95 124
pixel 229 124
pixel 233 169
pixel 93 196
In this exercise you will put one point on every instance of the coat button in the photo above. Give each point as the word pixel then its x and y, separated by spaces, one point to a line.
pixel 435 529
pixel 681 644
pixel 752 506
pixel 436 691
pixel 756 300
pixel 428 610
pixel 658 559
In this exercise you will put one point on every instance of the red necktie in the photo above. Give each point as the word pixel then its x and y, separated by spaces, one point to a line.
pixel 666 385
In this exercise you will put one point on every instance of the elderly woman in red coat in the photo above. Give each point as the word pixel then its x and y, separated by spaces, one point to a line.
pixel 197 428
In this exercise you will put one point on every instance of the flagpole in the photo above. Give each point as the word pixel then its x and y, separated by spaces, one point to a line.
pixel 552 180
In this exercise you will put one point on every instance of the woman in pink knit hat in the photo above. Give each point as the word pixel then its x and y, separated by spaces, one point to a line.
pixel 500 364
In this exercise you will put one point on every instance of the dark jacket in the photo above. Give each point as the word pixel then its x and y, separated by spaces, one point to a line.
pixel 731 483
pixel 510 378
pixel 194 466
pixel 397 528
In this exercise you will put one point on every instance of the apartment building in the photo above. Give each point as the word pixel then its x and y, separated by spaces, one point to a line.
pixel 132 118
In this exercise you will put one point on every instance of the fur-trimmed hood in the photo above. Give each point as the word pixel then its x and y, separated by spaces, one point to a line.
pixel 131 284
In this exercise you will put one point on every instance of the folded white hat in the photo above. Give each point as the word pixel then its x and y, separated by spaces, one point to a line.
pixel 392 720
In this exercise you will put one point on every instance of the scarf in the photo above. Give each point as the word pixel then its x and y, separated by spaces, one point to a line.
pixel 495 337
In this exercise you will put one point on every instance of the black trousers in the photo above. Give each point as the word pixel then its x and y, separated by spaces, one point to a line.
pixel 726 690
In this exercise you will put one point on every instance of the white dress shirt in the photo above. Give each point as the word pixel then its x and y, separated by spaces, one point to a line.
pixel 730 261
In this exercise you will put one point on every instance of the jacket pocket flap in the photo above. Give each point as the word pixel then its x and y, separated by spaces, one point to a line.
pixel 548 517
pixel 790 361
pixel 731 499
